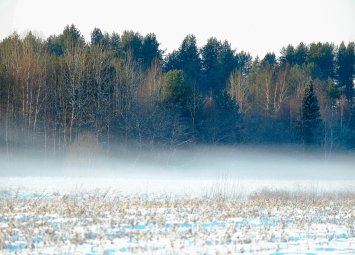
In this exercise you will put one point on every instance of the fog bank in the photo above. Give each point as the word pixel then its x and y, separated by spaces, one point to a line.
pixel 194 170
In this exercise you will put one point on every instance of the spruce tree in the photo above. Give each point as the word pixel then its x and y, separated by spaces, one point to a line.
pixel 96 36
pixel 310 115
pixel 346 69
pixel 187 59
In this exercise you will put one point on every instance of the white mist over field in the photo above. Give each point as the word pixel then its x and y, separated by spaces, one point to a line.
pixel 200 200
pixel 191 172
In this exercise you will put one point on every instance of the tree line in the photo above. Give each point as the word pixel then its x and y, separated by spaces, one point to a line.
pixel 125 89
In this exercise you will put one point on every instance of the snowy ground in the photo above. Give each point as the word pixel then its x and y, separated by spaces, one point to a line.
pixel 110 222
pixel 206 201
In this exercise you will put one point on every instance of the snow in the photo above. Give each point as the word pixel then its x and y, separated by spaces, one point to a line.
pixel 102 223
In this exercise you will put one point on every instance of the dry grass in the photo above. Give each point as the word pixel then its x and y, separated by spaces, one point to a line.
pixel 170 225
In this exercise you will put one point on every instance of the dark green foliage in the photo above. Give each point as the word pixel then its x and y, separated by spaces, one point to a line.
pixel 96 36
pixel 222 118
pixel 321 60
pixel 113 87
pixel 70 37
pixel 210 66
pixel 301 54
pixel 269 60
pixel 177 101
pixel 332 90
pixel 186 59
pixel 310 115
pixel 176 90
pixel 345 69
pixel 227 62
pixel 189 58
pixel 218 61
pixel 142 49
pixel 226 105
pixel 115 42
pixel 150 50
pixel 172 62
pixel 288 55
pixel 295 56
pixel 244 62
pixel 55 45
pixel 71 33
pixel 131 43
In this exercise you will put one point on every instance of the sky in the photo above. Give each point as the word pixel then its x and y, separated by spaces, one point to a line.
pixel 255 26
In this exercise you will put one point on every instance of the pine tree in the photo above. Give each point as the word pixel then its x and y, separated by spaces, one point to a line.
pixel 310 115
pixel 345 69
pixel 187 59
pixel 96 36
pixel 150 50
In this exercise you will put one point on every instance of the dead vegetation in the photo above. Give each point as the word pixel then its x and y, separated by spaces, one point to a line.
pixel 261 223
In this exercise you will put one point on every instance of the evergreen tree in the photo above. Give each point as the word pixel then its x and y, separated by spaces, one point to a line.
pixel 269 60
pixel 150 50
pixel 96 36
pixel 115 42
pixel 131 43
pixel 172 62
pixel 227 62
pixel 345 69
pixel 288 55
pixel 221 119
pixel 210 64
pixel 218 61
pixel 176 101
pixel 187 59
pixel 176 90
pixel 310 115
pixel 244 62
pixel 108 86
pixel 71 36
pixel 321 60
pixel 55 46
pixel 301 54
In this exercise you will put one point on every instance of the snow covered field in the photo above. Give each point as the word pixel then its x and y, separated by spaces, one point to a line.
pixel 110 222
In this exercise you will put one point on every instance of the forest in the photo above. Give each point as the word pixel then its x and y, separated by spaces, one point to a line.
pixel 125 89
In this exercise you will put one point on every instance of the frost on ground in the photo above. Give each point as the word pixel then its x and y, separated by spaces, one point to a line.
pixel 105 223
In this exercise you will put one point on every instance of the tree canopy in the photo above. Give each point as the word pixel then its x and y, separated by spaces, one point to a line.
pixel 124 87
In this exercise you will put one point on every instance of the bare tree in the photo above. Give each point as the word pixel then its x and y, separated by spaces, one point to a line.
pixel 238 89
pixel 75 57
pixel 129 78
pixel 280 89
pixel 102 81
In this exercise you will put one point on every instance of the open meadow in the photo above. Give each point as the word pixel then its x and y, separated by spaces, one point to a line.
pixel 216 221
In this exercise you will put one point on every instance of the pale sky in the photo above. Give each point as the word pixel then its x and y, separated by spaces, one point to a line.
pixel 255 26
